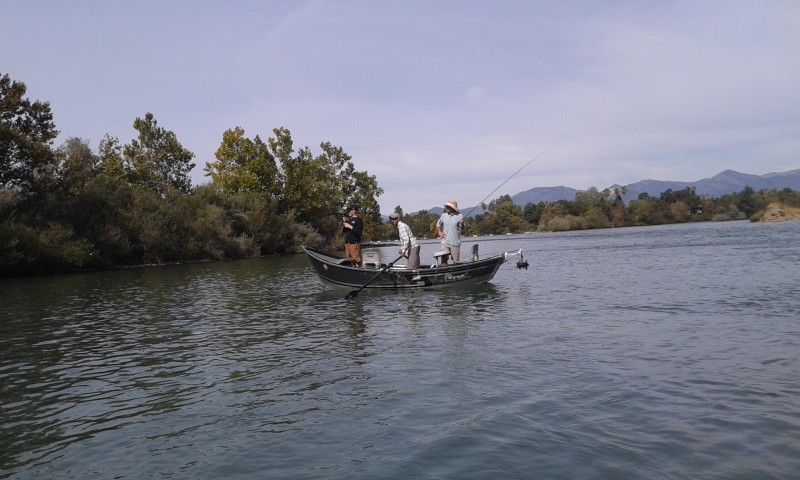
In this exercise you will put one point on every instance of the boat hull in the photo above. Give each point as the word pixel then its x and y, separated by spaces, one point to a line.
pixel 336 272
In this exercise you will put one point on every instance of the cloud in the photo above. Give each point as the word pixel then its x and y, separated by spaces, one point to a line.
pixel 436 101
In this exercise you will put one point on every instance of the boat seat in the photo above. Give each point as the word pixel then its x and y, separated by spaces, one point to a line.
pixel 371 259
pixel 441 258
pixel 474 257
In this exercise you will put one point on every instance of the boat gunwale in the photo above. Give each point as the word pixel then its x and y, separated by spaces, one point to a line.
pixel 469 265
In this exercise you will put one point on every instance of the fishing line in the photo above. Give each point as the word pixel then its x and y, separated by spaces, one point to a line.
pixel 506 180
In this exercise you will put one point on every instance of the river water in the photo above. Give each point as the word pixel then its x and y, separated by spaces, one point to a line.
pixel 641 353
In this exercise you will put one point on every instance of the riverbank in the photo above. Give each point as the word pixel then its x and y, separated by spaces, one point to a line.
pixel 778 212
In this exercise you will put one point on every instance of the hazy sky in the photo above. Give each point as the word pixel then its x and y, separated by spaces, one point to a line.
pixel 437 99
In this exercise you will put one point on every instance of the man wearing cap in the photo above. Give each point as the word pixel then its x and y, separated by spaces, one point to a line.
pixel 352 236
pixel 408 244
pixel 449 228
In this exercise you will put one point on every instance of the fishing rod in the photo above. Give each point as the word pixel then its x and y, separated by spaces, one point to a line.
pixel 506 180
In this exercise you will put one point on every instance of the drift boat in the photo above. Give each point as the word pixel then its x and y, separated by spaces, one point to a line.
pixel 338 272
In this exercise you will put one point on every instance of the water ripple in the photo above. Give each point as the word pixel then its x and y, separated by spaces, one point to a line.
pixel 667 352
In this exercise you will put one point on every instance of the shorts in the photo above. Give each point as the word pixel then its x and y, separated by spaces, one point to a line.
pixel 455 252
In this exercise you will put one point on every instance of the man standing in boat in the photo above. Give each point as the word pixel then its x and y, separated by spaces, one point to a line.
pixel 449 228
pixel 408 243
pixel 352 236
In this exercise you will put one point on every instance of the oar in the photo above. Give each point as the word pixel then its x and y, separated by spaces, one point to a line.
pixel 355 292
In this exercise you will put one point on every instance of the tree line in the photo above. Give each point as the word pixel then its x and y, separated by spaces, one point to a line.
pixel 605 209
pixel 70 208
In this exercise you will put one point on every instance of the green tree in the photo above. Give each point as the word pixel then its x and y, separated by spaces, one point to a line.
pixel 342 178
pixel 110 157
pixel 554 211
pixel 365 196
pixel 789 197
pixel 27 131
pixel 308 188
pixel 295 171
pixel 686 195
pixel 750 202
pixel 244 165
pixel 595 217
pixel 646 210
pixel 532 212
pixel 618 192
pixel 616 214
pixel 502 216
pixel 317 188
pixel 423 224
pixel 588 199
pixel 497 201
pixel 77 165
pixel 101 213
pixel 156 159
pixel 509 214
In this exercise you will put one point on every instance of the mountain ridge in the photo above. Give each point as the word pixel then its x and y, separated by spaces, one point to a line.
pixel 725 182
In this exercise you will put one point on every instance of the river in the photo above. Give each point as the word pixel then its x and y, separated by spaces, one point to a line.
pixel 666 352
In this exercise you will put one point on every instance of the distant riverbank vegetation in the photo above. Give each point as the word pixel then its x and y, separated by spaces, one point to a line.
pixel 605 209
pixel 71 208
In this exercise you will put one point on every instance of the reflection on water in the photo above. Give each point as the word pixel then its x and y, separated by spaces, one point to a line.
pixel 664 352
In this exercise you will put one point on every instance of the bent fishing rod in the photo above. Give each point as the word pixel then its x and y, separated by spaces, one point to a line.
pixel 504 182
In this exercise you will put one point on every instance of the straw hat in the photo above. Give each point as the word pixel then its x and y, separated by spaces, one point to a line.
pixel 452 204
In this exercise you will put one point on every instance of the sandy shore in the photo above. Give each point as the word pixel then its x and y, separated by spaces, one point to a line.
pixel 777 212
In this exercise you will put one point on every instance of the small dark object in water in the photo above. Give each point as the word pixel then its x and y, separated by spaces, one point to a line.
pixel 522 263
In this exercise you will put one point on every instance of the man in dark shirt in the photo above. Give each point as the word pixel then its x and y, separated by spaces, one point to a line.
pixel 352 236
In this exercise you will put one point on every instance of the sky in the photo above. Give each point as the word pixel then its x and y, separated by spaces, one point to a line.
pixel 438 100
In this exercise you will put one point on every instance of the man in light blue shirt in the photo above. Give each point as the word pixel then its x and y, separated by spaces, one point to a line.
pixel 449 228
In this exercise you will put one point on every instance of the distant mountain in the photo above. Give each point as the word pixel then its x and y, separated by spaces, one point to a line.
pixel 790 173
pixel 544 194
pixel 534 195
pixel 720 184
pixel 723 183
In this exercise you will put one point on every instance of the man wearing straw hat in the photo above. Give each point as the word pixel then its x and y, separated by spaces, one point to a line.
pixel 449 228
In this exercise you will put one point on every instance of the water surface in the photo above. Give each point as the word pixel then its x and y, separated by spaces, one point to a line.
pixel 658 352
